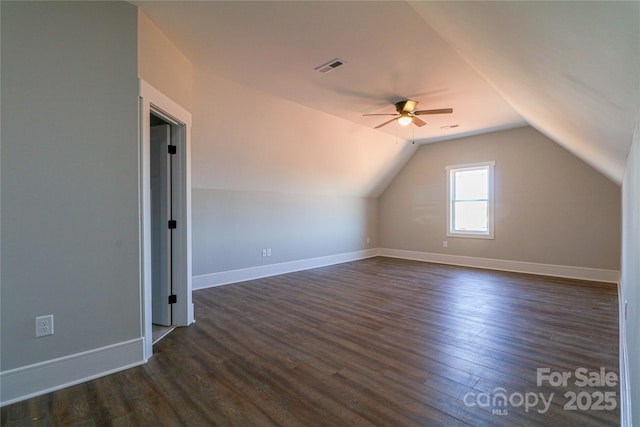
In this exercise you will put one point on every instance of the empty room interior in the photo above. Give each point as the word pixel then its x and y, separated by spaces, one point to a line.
pixel 340 213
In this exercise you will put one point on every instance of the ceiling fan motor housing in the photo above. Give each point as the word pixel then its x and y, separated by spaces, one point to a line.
pixel 405 106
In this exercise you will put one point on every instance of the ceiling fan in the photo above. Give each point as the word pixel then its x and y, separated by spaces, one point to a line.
pixel 406 114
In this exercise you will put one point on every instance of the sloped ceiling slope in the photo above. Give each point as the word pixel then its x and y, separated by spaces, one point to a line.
pixel 285 147
pixel 282 126
pixel 571 69
pixel 390 54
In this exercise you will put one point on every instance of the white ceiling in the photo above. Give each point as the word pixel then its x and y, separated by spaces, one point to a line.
pixel 572 70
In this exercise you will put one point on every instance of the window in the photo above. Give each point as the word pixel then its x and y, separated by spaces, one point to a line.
pixel 470 200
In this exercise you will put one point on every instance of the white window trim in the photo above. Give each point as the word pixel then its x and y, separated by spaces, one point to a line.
pixel 469 234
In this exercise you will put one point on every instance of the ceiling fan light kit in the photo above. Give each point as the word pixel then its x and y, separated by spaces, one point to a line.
pixel 404 119
pixel 406 114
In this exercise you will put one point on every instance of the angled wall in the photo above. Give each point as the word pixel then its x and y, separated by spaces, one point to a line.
pixel 162 64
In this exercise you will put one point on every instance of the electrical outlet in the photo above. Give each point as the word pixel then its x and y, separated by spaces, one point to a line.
pixel 445 244
pixel 264 252
pixel 44 325
pixel 268 251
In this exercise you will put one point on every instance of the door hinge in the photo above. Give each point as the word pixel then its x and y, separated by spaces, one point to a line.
pixel 173 224
pixel 172 149
pixel 173 299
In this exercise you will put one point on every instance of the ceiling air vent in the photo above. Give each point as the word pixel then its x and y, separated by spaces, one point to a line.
pixel 330 66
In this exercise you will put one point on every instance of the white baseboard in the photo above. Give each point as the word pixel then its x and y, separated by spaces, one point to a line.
pixel 625 384
pixel 41 378
pixel 251 273
pixel 241 275
pixel 600 275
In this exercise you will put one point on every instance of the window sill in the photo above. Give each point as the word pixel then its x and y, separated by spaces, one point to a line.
pixel 471 236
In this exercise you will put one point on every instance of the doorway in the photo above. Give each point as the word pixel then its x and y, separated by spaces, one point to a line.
pixel 165 215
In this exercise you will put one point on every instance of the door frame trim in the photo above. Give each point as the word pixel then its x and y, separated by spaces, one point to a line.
pixel 152 100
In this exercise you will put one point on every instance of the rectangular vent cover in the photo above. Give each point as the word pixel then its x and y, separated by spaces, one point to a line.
pixel 330 66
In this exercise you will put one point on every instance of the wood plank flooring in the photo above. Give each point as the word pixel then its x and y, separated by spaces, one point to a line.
pixel 376 342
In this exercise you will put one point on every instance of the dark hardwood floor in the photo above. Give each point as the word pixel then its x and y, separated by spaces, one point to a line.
pixel 377 342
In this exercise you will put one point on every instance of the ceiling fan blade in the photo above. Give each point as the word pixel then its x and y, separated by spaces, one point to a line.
pixel 439 111
pixel 418 122
pixel 385 123
pixel 382 114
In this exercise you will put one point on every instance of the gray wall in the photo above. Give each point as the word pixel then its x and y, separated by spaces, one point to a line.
pixel 230 228
pixel 630 281
pixel 551 207
pixel 69 177
pixel 305 187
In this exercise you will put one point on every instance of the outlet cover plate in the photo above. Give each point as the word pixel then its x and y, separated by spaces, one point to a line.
pixel 44 325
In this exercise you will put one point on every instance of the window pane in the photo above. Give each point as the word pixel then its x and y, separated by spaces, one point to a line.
pixel 471 185
pixel 471 216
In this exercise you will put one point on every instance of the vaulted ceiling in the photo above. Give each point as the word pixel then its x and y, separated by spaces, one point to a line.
pixel 569 69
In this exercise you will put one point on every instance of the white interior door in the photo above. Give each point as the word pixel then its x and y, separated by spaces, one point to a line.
pixel 161 261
